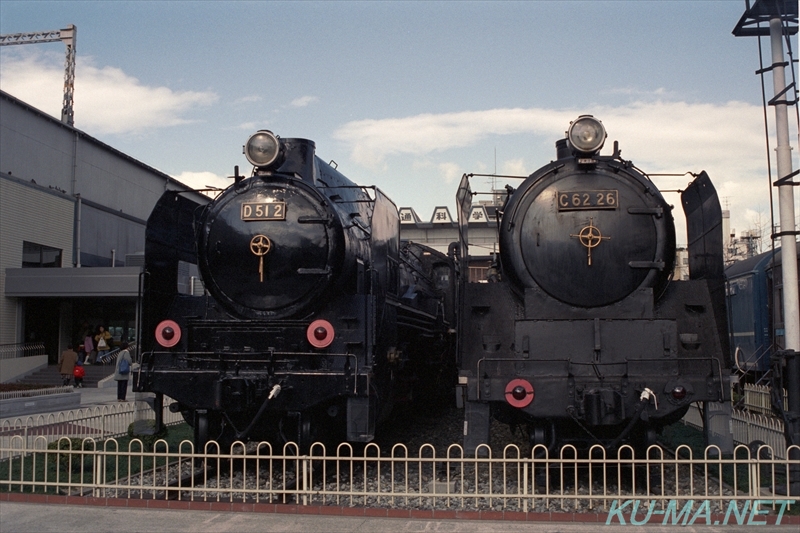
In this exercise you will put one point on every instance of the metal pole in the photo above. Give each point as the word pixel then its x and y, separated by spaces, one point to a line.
pixel 78 207
pixel 791 296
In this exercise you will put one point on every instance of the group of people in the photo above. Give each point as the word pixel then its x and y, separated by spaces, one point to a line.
pixel 95 349
pixel 96 345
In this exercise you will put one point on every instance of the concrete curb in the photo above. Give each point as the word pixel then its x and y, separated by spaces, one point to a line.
pixel 34 405
pixel 434 514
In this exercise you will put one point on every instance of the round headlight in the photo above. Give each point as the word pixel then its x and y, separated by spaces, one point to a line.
pixel 262 148
pixel 586 134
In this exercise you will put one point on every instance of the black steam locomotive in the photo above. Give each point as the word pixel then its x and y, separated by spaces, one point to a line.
pixel 311 317
pixel 580 334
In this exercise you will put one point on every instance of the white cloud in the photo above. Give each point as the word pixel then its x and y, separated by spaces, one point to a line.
pixel 661 136
pixel 662 133
pixel 515 167
pixel 303 101
pixel 661 92
pixel 248 99
pixel 450 172
pixel 371 141
pixel 204 180
pixel 106 99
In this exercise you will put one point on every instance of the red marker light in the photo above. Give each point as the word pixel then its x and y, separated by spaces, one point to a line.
pixel 679 393
pixel 519 393
pixel 320 333
pixel 168 333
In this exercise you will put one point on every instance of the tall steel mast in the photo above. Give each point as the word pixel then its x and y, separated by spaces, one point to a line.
pixel 69 35
pixel 781 16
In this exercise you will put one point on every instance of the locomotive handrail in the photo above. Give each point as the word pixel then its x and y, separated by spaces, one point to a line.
pixel 364 189
pixel 539 360
pixel 214 357
pixel 410 309
pixel 470 175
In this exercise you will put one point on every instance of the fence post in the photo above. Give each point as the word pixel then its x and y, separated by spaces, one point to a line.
pixel 524 485
pixel 305 486
pixel 98 473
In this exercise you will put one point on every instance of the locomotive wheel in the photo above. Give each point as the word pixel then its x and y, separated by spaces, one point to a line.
pixel 542 435
pixel 208 427
pixel 304 434
pixel 298 428
pixel 200 429
pixel 643 439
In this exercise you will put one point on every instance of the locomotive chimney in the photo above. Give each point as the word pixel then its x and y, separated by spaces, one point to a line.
pixel 562 150
pixel 299 160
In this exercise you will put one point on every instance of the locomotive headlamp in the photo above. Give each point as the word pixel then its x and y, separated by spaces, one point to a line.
pixel 586 135
pixel 262 148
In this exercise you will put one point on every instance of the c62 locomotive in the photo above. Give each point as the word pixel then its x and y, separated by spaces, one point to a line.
pixel 314 316
pixel 584 338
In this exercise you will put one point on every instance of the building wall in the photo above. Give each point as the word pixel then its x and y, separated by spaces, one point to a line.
pixel 102 232
pixel 53 177
pixel 36 146
pixel 28 213
pixel 117 191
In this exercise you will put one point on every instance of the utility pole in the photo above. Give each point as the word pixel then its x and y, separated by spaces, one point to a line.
pixel 781 16
pixel 69 36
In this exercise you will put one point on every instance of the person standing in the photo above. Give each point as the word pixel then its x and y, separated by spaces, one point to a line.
pixel 66 364
pixel 88 346
pixel 102 342
pixel 123 371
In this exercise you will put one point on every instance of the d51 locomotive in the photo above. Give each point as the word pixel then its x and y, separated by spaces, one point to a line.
pixel 313 317
pixel 583 337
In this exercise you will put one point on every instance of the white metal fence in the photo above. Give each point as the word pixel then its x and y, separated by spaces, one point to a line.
pixel 97 422
pixel 30 393
pixel 427 478
pixel 757 398
pixel 11 351
pixel 395 477
pixel 748 427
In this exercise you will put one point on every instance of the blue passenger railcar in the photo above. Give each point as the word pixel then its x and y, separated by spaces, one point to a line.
pixel 755 305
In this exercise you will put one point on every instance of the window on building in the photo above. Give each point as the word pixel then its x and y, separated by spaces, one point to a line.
pixel 40 256
pixel 477 274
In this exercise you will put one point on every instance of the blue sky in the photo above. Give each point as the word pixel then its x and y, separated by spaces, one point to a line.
pixel 408 95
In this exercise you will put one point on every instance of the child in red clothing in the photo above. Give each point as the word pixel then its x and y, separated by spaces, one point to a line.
pixel 78 374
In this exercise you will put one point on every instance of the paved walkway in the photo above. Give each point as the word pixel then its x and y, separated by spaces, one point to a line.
pixel 102 396
pixel 24 517
pixel 89 397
